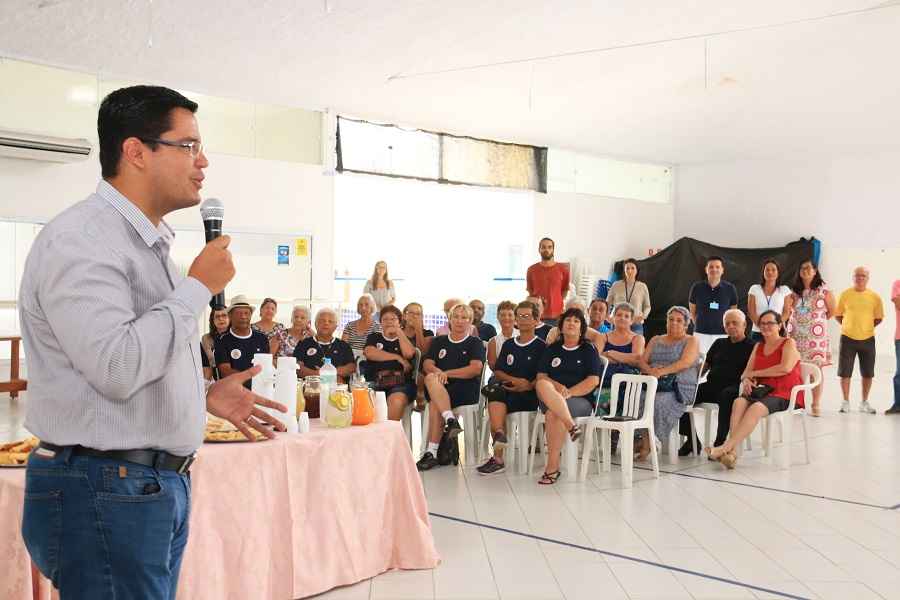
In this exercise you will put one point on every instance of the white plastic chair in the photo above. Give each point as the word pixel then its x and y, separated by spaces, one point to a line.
pixel 811 376
pixel 636 386
pixel 570 449
pixel 406 421
pixel 472 415
pixel 674 441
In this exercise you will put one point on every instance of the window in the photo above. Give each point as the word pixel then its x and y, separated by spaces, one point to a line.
pixel 375 149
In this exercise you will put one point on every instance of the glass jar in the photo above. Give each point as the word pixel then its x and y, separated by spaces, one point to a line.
pixel 311 390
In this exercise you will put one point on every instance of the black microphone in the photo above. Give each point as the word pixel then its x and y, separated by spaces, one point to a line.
pixel 213 211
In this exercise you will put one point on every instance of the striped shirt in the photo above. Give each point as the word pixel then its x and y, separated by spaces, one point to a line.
pixel 357 340
pixel 110 332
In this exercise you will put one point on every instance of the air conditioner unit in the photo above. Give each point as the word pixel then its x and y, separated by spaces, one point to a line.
pixel 17 144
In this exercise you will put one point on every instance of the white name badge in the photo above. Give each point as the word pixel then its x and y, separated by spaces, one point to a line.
pixel 311 352
pixel 714 306
pixel 235 354
pixel 442 353
pixel 510 359
pixel 555 362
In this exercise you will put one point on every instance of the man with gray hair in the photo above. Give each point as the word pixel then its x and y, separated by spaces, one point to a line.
pixel 859 310
pixel 726 360
pixel 312 352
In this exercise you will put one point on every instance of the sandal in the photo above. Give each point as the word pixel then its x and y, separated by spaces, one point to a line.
pixel 814 411
pixel 575 433
pixel 549 478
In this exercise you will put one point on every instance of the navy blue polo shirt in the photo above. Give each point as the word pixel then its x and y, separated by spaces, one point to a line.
pixel 542 330
pixel 521 360
pixel 486 331
pixel 237 351
pixel 712 303
pixel 570 366
pixel 312 353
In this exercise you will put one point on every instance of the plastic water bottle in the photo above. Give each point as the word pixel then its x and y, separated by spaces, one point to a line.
pixel 286 392
pixel 263 383
pixel 328 375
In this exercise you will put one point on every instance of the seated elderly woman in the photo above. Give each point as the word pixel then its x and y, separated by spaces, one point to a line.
pixel 312 352
pixel 568 374
pixel 591 334
pixel 300 329
pixel 725 362
pixel 671 358
pixel 772 370
pixel 356 332
pixel 515 370
pixel 622 347
pixel 506 317
pixel 453 367
pixel 388 362
pixel 445 328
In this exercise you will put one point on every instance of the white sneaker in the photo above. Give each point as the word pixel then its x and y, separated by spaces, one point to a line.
pixel 865 408
pixel 845 406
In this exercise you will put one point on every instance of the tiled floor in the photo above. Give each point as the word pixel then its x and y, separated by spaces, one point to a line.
pixel 826 530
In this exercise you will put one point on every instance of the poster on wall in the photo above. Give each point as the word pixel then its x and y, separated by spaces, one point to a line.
pixel 283 255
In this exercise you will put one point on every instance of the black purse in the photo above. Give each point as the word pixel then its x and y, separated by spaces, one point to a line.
pixel 494 392
pixel 761 391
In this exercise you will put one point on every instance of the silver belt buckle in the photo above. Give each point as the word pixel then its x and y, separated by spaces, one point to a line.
pixel 188 461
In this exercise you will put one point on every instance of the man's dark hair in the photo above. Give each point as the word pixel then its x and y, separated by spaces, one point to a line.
pixel 709 259
pixel 141 111
pixel 543 239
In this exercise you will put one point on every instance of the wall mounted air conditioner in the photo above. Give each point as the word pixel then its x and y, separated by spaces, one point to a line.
pixel 17 144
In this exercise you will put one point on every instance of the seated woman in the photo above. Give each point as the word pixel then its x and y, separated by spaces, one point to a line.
pixel 775 362
pixel 516 369
pixel 506 316
pixel 621 347
pixel 453 369
pixel 312 352
pixel 590 334
pixel 388 362
pixel 298 331
pixel 598 311
pixel 672 358
pixel 445 328
pixel 568 373
pixel 414 329
pixel 356 332
pixel 725 362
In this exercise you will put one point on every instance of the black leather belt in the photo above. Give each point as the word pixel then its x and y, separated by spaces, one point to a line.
pixel 157 459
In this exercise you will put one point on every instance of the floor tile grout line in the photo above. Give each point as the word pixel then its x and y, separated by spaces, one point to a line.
pixel 635 559
pixel 681 473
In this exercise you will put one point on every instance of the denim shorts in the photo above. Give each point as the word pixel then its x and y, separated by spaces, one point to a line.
pixel 102 528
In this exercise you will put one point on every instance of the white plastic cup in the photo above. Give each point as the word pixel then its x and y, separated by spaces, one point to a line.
pixel 381 409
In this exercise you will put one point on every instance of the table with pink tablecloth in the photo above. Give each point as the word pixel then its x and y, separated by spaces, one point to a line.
pixel 281 519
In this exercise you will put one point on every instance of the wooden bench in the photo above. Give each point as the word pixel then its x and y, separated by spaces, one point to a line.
pixel 14 385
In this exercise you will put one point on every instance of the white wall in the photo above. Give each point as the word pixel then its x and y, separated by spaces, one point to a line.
pixel 598 231
pixel 259 195
pixel 850 203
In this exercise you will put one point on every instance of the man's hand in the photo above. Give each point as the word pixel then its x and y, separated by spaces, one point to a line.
pixel 518 384
pixel 230 400
pixel 441 377
pixel 213 267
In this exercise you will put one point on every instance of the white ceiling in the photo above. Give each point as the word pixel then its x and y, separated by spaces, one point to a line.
pixel 787 81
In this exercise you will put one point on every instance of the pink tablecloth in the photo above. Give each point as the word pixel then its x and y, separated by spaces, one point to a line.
pixel 281 519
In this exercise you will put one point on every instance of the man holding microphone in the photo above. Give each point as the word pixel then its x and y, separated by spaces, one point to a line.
pixel 116 392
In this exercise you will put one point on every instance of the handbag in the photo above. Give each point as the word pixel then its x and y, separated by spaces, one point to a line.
pixel 494 392
pixel 666 383
pixel 388 379
pixel 761 391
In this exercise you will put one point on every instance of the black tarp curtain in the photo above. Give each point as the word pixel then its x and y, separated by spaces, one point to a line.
pixel 670 273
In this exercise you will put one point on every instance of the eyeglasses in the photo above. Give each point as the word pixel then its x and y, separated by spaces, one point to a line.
pixel 193 147
pixel 525 317
pixel 767 323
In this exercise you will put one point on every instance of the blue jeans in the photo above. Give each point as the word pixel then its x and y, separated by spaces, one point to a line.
pixel 100 528
pixel 897 374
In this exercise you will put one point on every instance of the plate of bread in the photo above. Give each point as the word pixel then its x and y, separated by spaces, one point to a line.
pixel 15 454
pixel 220 431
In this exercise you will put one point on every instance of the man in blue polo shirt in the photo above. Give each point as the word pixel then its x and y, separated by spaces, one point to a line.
pixel 709 301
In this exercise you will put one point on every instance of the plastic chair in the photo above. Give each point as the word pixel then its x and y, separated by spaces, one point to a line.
pixel 406 420
pixel 570 450
pixel 674 441
pixel 471 415
pixel 811 376
pixel 636 386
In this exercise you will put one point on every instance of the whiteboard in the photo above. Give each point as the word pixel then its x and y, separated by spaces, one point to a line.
pixel 258 271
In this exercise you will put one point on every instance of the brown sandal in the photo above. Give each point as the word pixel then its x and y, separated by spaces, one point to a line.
pixel 549 478
pixel 575 433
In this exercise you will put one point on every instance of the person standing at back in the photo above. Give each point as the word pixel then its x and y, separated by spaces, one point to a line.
pixel 895 298
pixel 709 301
pixel 380 286
pixel 859 310
pixel 116 393
pixel 548 280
